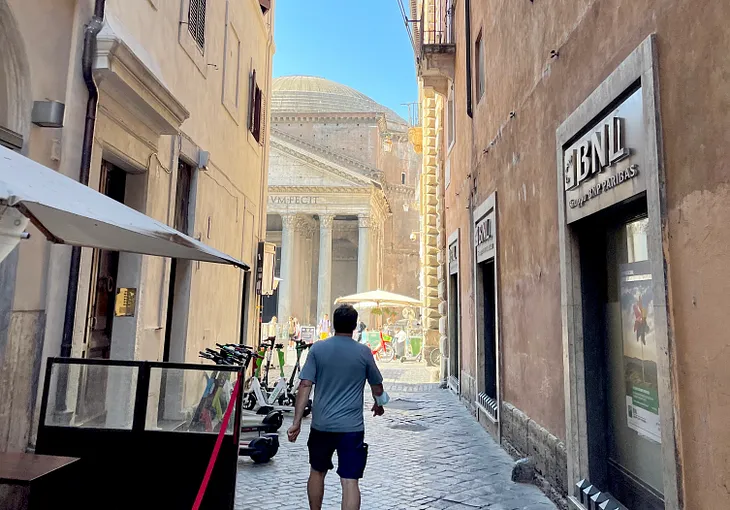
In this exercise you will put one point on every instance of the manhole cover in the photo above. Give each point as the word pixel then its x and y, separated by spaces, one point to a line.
pixel 410 427
pixel 404 404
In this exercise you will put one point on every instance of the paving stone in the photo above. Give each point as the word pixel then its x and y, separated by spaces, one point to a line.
pixel 445 462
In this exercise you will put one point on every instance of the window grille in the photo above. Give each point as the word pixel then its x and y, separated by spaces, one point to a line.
pixel 196 21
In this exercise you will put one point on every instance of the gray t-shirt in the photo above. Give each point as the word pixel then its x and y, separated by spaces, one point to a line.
pixel 339 367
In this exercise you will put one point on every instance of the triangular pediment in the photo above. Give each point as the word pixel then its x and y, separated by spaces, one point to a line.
pixel 293 165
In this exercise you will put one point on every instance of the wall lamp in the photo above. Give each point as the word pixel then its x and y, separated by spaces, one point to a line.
pixel 48 114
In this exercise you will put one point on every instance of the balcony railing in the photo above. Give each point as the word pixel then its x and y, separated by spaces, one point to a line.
pixel 428 23
pixel 437 22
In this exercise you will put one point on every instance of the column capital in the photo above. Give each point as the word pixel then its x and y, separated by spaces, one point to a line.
pixel 302 223
pixel 364 221
pixel 326 221
pixel 288 220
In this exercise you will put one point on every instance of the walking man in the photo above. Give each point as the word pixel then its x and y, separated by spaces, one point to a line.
pixel 338 367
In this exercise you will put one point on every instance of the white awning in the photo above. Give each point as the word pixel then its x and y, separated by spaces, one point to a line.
pixel 68 212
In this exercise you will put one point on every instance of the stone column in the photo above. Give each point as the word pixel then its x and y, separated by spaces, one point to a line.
pixel 303 268
pixel 286 273
pixel 374 253
pixel 363 253
pixel 324 280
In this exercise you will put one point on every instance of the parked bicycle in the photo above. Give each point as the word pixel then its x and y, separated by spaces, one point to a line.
pixel 384 350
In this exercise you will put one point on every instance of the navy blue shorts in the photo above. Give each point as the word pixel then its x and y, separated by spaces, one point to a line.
pixel 352 452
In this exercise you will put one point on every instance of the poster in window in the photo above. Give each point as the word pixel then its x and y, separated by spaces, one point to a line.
pixel 640 352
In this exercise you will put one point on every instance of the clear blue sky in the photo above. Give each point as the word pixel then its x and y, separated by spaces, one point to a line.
pixel 359 43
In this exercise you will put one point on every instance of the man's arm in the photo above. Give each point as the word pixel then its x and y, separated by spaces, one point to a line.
pixel 307 377
pixel 305 388
pixel 375 379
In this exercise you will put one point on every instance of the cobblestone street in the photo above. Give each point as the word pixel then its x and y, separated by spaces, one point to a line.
pixel 427 452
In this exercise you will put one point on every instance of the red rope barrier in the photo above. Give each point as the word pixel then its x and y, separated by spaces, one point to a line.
pixel 217 447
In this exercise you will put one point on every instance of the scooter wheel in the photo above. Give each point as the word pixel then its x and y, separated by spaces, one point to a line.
pixel 249 401
pixel 262 450
pixel 274 420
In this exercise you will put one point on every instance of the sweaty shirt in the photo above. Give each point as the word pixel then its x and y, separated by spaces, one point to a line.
pixel 339 367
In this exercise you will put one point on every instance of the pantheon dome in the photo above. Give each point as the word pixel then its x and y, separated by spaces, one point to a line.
pixel 310 94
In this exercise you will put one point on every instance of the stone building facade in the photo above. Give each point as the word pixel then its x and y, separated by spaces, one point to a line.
pixel 584 187
pixel 180 135
pixel 341 200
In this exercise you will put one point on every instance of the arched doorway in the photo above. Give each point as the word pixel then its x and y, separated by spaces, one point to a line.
pixel 15 97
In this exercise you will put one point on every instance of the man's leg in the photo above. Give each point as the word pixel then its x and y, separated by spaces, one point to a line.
pixel 352 454
pixel 350 494
pixel 315 489
pixel 321 447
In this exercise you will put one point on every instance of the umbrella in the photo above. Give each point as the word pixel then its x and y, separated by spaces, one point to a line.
pixel 379 298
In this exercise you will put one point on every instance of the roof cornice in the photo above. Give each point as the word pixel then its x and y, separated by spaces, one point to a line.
pixel 327 190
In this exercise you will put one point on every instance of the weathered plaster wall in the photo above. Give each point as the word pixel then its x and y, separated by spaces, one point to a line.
pixel 592 38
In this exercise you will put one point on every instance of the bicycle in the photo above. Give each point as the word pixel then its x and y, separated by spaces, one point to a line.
pixel 384 351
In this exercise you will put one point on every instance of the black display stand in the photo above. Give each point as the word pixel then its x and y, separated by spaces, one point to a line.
pixel 133 453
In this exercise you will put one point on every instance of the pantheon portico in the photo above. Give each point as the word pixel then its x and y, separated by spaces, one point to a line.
pixel 341 183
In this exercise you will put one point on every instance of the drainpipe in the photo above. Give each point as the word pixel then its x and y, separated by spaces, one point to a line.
pixel 87 63
pixel 467 29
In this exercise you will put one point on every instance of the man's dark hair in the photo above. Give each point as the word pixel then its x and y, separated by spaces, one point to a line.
pixel 344 319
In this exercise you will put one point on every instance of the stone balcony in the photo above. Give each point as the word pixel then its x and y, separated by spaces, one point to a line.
pixel 437 66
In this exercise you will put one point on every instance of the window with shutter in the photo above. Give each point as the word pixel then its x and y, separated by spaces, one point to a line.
pixel 256 120
pixel 257 116
pixel 196 21
pixel 251 100
pixel 263 118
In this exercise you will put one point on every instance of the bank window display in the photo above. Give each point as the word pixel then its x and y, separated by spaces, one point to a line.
pixel 634 442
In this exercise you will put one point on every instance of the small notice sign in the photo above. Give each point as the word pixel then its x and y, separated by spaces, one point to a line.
pixel 125 302
pixel 308 334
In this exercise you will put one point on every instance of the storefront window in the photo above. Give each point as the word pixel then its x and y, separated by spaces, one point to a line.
pixel 634 438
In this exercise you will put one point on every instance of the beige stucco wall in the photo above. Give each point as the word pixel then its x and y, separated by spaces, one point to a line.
pixel 229 195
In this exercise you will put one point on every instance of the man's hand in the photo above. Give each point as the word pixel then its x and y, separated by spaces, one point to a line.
pixel 293 432
pixel 378 410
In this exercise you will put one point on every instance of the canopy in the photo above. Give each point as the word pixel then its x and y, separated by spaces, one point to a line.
pixel 67 212
pixel 379 298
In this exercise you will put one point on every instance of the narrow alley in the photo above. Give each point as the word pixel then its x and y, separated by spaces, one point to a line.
pixel 425 453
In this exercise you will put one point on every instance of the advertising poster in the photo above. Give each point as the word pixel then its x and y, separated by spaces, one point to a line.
pixel 639 346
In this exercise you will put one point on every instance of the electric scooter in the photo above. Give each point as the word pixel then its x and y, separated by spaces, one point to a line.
pixel 260 449
pixel 292 386
pixel 258 396
pixel 266 419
